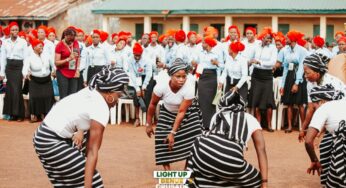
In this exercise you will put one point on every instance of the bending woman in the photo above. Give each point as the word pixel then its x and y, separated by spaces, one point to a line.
pixel 59 140
pixel 180 120
pixel 217 158
pixel 329 115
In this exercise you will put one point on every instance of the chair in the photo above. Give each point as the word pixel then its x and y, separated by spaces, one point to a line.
pixel 248 109
pixel 142 117
pixel 113 115
pixel 277 98
pixel 1 104
pixel 128 103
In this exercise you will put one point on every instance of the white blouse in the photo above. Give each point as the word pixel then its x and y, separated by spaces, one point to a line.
pixel 156 51
pixel 329 115
pixel 173 100
pixel 17 50
pixel 76 111
pixel 38 65
pixel 250 49
pixel 236 68
pixel 266 55
pixel 95 56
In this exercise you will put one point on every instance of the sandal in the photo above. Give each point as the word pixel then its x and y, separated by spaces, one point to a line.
pixel 137 123
pixel 288 130
pixel 33 119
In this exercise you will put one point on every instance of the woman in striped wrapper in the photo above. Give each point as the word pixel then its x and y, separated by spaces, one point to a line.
pixel 330 116
pixel 316 73
pixel 180 120
pixel 217 158
pixel 76 122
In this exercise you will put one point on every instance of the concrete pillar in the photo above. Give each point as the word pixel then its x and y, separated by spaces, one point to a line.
pixel 228 23
pixel 186 24
pixel 105 23
pixel 275 23
pixel 323 26
pixel 147 24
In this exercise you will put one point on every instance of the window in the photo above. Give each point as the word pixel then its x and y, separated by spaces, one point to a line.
pixel 221 29
pixel 157 27
pixel 249 25
pixel 194 27
pixel 139 31
pixel 40 22
pixel 284 28
pixel 2 23
pixel 330 32
pixel 154 27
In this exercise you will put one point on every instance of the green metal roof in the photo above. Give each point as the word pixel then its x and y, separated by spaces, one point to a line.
pixel 222 7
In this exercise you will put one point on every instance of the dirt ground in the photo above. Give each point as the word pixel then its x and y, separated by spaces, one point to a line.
pixel 126 159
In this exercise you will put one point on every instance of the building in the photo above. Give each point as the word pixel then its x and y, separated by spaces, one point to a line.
pixel 57 13
pixel 312 17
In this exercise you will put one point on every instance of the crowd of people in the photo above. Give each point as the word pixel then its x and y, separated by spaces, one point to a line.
pixel 186 71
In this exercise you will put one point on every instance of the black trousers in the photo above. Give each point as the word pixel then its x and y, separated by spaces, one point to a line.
pixel 67 86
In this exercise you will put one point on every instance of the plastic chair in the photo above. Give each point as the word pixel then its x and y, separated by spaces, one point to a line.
pixel 113 115
pixel 277 98
pixel 248 109
pixel 128 103
pixel 1 104
pixel 142 117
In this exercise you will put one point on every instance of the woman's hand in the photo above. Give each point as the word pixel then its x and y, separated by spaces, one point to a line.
pixel 282 91
pixel 149 130
pixel 139 93
pixel 264 185
pixel 294 88
pixel 160 65
pixel 53 74
pixel 28 76
pixel 301 136
pixel 234 89
pixel 75 54
pixel 77 74
pixel 194 64
pixel 214 62
pixel 170 140
pixel 315 166
pixel 78 138
pixel 220 86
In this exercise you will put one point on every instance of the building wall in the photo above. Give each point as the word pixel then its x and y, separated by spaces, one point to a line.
pixel 303 24
pixel 129 24
pixel 59 23
pixel 260 21
pixel 338 24
pixel 80 15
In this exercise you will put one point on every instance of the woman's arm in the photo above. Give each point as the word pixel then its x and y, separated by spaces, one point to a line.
pixel 309 113
pixel 259 143
pixel 309 146
pixel 58 61
pixel 180 116
pixel 93 146
pixel 309 143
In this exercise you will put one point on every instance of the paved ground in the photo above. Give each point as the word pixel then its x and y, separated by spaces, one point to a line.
pixel 127 159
